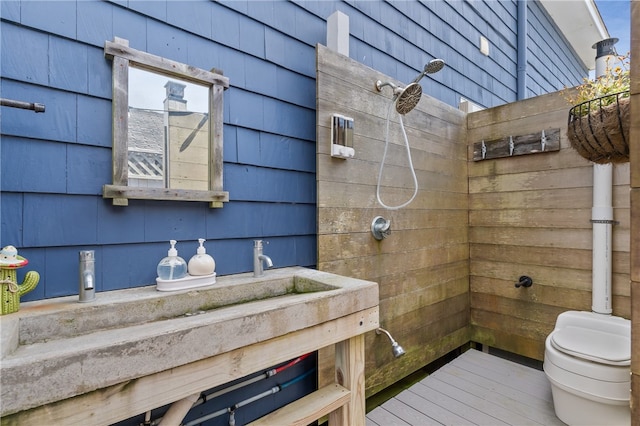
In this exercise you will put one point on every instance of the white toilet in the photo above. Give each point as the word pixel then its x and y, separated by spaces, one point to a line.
pixel 587 360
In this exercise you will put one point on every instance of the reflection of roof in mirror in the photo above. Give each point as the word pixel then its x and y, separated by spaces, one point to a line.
pixel 147 90
pixel 146 130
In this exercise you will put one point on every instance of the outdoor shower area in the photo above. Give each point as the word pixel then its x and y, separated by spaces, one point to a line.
pixel 451 268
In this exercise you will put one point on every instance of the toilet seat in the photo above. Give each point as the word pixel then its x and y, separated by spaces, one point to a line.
pixel 593 345
pixel 567 364
pixel 587 361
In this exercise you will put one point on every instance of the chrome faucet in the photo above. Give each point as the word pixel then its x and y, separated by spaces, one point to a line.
pixel 87 276
pixel 258 258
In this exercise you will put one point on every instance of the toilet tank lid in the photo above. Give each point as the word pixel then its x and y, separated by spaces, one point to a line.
pixel 593 345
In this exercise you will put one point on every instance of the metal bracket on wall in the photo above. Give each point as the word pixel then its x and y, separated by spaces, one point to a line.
pixel 545 141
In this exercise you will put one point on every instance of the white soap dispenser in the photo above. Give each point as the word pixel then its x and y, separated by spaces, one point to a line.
pixel 172 267
pixel 201 263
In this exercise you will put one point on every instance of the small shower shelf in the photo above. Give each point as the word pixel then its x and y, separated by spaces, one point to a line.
pixel 533 143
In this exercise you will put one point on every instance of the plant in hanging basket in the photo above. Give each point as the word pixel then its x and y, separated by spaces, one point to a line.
pixel 598 127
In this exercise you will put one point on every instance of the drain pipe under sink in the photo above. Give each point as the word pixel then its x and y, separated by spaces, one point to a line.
pixel 178 411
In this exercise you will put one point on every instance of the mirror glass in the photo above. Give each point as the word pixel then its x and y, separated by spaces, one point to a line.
pixel 168 132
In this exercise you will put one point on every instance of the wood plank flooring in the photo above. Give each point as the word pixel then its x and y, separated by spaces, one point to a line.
pixel 474 389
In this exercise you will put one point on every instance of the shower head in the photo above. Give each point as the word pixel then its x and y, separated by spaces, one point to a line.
pixel 395 347
pixel 406 98
pixel 431 67
pixel 397 350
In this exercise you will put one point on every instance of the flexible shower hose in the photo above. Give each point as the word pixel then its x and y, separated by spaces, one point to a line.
pixel 384 156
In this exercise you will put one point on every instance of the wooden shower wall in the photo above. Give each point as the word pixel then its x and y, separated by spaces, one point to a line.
pixel 530 215
pixel 447 271
pixel 422 267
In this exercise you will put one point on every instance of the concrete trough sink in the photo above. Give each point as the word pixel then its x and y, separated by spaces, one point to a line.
pixel 58 348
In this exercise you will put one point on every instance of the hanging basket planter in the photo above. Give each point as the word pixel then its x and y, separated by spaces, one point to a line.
pixel 598 129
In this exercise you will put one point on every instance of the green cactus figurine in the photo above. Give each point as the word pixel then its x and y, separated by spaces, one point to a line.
pixel 10 291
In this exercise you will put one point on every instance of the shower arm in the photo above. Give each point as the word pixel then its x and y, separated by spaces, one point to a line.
pixel 380 85
pixel 385 332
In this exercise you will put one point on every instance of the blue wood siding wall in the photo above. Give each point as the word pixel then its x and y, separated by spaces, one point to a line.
pixel 54 164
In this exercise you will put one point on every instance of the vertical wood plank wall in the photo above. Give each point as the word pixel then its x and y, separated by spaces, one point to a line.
pixel 530 215
pixel 635 213
pixel 422 267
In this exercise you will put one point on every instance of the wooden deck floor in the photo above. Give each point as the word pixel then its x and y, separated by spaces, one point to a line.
pixel 474 389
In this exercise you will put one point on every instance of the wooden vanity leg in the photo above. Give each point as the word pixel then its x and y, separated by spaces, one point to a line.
pixel 350 374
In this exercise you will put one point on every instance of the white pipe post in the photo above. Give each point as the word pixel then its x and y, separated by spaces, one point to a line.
pixel 602 219
pixel 602 210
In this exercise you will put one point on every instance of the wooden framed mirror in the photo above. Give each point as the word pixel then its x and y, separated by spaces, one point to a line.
pixel 167 129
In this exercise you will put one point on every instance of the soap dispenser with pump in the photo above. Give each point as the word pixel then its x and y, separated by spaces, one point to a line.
pixel 172 270
pixel 172 267
pixel 201 263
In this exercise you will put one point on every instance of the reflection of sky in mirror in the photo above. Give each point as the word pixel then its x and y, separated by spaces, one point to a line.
pixel 147 91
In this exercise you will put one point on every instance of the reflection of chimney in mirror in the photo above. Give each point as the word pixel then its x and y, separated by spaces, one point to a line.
pixel 175 100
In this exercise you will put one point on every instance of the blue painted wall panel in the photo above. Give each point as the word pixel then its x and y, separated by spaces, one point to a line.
pixel 226 26
pixel 68 65
pixel 246 109
pixel 290 53
pixel 131 26
pixel 99 73
pixel 10 10
pixel 95 22
pixel 230 154
pixel 23 55
pixel 306 250
pixel 203 54
pixel 309 28
pixel 30 165
pixel 165 221
pixel 56 17
pixel 52 220
pixel 88 168
pixel 194 16
pixel 288 153
pixel 232 63
pixel 252 37
pixel 153 8
pixel 11 208
pixel 94 121
pixel 260 76
pixel 248 146
pixel 261 184
pixel 245 217
pixel 289 120
pixel 168 42
pixel 128 266
pixel 116 225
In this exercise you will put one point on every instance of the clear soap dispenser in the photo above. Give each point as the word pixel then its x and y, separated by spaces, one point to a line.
pixel 172 267
pixel 201 263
